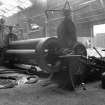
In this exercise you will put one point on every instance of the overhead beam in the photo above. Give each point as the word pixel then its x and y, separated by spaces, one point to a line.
pixel 91 18
pixel 86 3
pixel 87 12
pixel 95 10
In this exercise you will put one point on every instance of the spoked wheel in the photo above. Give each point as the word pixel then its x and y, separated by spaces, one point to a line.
pixel 76 67
pixel 79 49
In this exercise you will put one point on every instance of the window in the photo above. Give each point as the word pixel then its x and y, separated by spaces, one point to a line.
pixel 99 35
pixel 98 29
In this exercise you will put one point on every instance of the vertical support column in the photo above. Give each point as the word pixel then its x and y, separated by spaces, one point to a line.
pixel 46 20
pixel 46 26
pixel 92 38
pixel 102 3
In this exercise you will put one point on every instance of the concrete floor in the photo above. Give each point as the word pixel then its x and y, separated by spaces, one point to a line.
pixel 36 94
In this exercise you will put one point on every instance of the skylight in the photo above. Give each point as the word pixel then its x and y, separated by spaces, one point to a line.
pixel 25 4
pixel 10 13
pixel 11 7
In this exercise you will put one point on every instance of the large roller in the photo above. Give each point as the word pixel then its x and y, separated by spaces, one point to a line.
pixel 40 51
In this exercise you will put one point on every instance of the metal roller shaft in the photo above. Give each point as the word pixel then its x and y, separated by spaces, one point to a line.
pixel 21 51
pixel 41 51
pixel 26 44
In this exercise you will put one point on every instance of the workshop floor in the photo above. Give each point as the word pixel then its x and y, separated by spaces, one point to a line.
pixel 36 94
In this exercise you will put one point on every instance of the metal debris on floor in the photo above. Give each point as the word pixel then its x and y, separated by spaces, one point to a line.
pixel 16 79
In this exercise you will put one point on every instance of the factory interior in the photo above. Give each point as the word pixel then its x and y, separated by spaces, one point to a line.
pixel 52 52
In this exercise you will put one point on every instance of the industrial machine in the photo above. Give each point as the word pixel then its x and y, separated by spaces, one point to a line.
pixel 48 54
pixel 68 63
pixel 40 51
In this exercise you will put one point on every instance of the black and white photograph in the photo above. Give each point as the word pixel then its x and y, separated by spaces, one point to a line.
pixel 52 52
